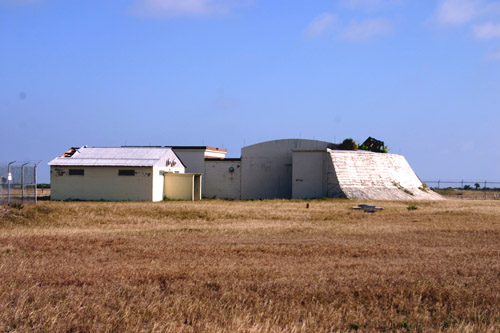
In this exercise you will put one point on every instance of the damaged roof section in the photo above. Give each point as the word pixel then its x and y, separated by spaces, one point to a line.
pixel 70 152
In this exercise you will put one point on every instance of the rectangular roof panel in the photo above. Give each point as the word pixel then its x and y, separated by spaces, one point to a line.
pixel 113 156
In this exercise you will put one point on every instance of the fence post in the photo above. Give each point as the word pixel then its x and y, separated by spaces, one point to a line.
pixel 34 176
pixel 439 182
pixel 22 182
pixel 9 179
pixel 484 188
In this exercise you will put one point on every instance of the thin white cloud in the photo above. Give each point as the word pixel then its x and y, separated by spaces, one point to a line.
pixel 170 8
pixel 460 12
pixel 370 4
pixel 457 12
pixel 321 24
pixel 486 30
pixel 494 56
pixel 367 29
pixel 18 2
pixel 472 14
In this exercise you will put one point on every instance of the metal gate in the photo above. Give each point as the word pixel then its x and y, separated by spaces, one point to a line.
pixel 18 183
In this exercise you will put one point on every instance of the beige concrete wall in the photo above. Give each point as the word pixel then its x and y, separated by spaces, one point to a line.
pixel 102 183
pixel 267 167
pixel 194 160
pixel 179 186
pixel 309 174
pixel 220 182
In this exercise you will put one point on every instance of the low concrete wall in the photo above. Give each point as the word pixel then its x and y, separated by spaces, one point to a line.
pixel 179 186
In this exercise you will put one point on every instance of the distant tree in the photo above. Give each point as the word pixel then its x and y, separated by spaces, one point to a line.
pixel 348 144
pixel 477 185
pixel 467 187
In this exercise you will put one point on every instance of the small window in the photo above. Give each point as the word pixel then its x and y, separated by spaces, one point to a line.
pixel 126 172
pixel 76 172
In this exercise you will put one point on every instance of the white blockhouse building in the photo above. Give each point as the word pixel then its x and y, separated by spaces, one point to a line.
pixel 284 169
pixel 122 174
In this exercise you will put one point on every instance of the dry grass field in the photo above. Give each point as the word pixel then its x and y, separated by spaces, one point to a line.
pixel 454 193
pixel 17 197
pixel 250 266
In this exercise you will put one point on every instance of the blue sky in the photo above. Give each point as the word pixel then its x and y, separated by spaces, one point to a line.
pixel 423 76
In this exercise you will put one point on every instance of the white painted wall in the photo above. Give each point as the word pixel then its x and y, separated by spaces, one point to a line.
pixel 102 183
pixel 177 167
pixel 220 182
pixel 366 175
pixel 361 169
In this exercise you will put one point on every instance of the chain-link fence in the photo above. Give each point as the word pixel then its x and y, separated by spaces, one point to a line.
pixel 466 189
pixel 18 182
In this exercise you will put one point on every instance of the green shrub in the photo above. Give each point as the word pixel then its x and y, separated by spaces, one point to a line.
pixel 424 187
pixel 16 205
pixel 412 207
pixel 348 144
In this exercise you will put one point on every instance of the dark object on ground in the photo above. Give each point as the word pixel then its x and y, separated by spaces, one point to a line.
pixel 368 208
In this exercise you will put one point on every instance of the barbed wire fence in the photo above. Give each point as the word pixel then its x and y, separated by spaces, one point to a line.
pixel 18 182
pixel 467 189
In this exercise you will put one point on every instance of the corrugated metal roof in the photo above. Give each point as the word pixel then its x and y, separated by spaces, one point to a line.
pixel 113 156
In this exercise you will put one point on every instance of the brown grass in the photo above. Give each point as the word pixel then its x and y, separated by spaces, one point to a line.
pixel 453 193
pixel 250 266
pixel 29 194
